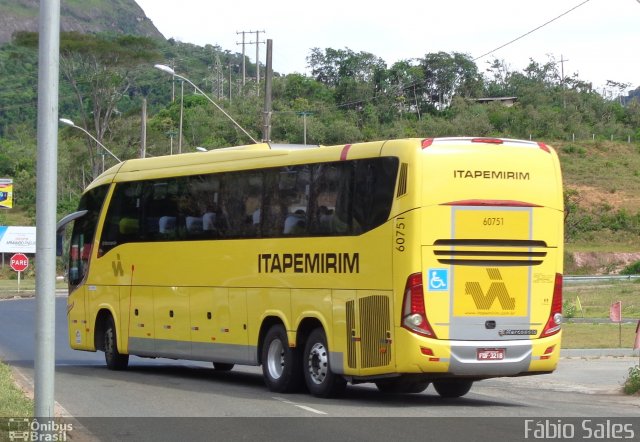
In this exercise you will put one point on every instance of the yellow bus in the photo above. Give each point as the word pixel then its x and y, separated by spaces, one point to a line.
pixel 401 262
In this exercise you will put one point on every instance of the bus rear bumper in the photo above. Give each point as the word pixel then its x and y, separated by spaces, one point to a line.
pixel 480 359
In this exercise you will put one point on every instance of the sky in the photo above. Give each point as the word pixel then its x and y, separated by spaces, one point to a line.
pixel 600 39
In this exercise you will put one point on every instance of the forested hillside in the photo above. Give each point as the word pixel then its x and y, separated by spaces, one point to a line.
pixel 85 16
pixel 348 96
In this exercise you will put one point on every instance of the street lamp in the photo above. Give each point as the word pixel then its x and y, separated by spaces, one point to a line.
pixel 168 70
pixel 70 123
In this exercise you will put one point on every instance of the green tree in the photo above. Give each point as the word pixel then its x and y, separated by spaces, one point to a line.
pixel 446 75
pixel 101 70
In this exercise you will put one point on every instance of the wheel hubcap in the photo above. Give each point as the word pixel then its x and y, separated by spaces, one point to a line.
pixel 275 359
pixel 318 363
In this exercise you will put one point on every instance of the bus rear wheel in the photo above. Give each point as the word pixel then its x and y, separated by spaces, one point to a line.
pixel 320 380
pixel 280 363
pixel 114 359
pixel 452 388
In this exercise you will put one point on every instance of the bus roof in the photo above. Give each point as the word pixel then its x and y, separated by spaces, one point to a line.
pixel 270 155
pixel 234 158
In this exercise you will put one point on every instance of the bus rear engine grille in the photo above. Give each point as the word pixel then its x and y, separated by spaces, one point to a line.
pixel 492 252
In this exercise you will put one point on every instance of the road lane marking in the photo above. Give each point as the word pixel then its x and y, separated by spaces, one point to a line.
pixel 304 407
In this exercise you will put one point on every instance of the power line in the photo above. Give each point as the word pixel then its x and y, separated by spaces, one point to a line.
pixel 531 31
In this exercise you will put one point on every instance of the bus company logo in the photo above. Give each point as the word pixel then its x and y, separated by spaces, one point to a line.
pixel 492 174
pixel 497 289
pixel 117 266
pixel 309 262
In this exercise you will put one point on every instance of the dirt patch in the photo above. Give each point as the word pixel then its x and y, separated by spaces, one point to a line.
pixel 590 197
pixel 605 263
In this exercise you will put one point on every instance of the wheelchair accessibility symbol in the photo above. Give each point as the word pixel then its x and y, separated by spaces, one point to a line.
pixel 438 280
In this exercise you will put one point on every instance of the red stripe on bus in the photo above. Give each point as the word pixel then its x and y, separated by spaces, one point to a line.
pixel 505 203
pixel 345 151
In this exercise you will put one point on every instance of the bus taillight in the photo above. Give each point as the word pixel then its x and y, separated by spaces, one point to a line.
pixel 414 315
pixel 427 142
pixel 487 140
pixel 544 147
pixel 555 315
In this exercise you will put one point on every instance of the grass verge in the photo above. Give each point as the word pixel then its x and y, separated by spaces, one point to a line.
pixel 598 335
pixel 596 298
pixel 13 402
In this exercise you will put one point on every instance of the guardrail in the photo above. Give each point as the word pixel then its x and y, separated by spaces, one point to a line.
pixel 578 279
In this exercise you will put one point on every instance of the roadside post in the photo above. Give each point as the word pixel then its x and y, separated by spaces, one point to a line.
pixel 636 344
pixel 19 263
pixel 615 314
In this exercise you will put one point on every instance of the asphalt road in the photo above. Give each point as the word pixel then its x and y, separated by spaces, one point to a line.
pixel 171 400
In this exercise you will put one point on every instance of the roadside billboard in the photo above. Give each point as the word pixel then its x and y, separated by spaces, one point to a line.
pixel 17 239
pixel 6 193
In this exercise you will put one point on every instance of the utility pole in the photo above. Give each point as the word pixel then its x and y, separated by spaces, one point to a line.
pixel 244 68
pixel 266 134
pixel 143 132
pixel 564 96
pixel 257 43
pixel 230 82
pixel 217 81
pixel 173 81
pixel 181 112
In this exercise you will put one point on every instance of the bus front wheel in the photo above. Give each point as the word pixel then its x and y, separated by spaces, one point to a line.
pixel 115 360
pixel 222 366
pixel 280 363
pixel 401 386
pixel 452 388
pixel 320 380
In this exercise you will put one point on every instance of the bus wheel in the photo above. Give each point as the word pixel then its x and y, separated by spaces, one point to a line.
pixel 222 366
pixel 280 363
pixel 451 388
pixel 401 386
pixel 320 380
pixel 115 360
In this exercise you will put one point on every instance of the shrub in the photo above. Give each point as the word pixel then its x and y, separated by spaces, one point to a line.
pixel 632 384
pixel 631 269
pixel 568 309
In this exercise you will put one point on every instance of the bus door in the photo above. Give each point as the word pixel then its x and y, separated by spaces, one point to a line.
pixel 141 323
pixel 80 254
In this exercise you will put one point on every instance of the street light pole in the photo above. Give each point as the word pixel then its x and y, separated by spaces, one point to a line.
pixel 70 123
pixel 168 70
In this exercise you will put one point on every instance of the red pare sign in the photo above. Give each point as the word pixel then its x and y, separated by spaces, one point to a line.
pixel 19 262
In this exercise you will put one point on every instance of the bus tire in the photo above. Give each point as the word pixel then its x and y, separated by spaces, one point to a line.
pixel 320 379
pixel 114 359
pixel 222 366
pixel 401 386
pixel 280 363
pixel 452 388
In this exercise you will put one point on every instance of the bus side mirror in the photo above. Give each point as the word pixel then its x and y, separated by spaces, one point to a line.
pixel 60 226
pixel 59 241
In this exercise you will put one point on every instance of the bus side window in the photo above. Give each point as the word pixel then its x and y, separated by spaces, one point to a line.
pixel 122 222
pixel 374 182
pixel 328 200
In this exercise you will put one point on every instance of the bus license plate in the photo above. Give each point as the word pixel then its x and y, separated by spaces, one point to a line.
pixel 490 354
